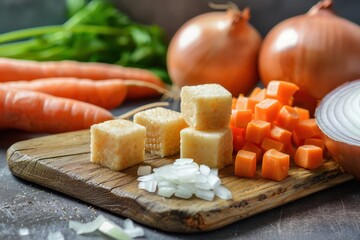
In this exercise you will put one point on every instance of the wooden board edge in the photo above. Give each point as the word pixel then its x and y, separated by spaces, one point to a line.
pixel 180 222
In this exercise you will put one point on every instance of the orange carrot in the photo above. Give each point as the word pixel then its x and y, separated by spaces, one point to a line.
pixel 281 90
pixel 233 106
pixel 289 149
pixel 40 112
pixel 308 156
pixel 267 110
pixel 287 118
pixel 106 93
pixel 252 147
pixel 280 134
pixel 238 138
pixel 268 143
pixel 245 103
pixel 258 95
pixel 315 141
pixel 306 129
pixel 275 165
pixel 245 164
pixel 303 113
pixel 255 91
pixel 241 117
pixel 14 70
pixel 256 130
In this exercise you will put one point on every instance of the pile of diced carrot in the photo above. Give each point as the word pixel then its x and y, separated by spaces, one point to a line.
pixel 269 130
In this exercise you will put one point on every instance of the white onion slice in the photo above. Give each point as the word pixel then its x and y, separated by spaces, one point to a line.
pixel 184 179
pixel 338 118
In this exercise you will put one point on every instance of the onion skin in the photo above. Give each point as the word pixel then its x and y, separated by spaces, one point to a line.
pixel 347 156
pixel 317 51
pixel 216 47
pixel 343 145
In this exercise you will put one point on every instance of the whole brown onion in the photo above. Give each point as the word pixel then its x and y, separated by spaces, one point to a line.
pixel 317 51
pixel 216 47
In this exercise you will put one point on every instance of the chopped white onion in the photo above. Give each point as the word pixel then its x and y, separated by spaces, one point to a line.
pixel 101 224
pixel 132 230
pixel 183 179
pixel 205 170
pixel 223 192
pixel 205 194
pixel 144 170
pixel 55 236
pixel 213 181
pixel 128 224
pixel 183 161
pixel 166 191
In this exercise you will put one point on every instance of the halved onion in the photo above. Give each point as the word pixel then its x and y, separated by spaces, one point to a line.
pixel 338 117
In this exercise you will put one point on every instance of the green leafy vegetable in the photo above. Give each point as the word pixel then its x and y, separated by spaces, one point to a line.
pixel 96 31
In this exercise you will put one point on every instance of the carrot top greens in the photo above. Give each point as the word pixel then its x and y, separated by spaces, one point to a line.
pixel 96 31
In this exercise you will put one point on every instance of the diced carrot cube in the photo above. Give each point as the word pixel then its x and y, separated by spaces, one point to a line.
pixel 287 118
pixel 307 128
pixel 252 147
pixel 255 91
pixel 309 156
pixel 315 141
pixel 289 149
pixel 259 95
pixel 256 130
pixel 241 117
pixel 268 143
pixel 281 89
pixel 296 139
pixel 275 165
pixel 280 134
pixel 245 103
pixel 234 100
pixel 238 138
pixel 303 113
pixel 267 110
pixel 245 164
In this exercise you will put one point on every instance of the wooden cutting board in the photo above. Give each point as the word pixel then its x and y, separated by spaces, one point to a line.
pixel 62 162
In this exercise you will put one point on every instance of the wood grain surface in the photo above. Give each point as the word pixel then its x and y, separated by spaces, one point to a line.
pixel 62 162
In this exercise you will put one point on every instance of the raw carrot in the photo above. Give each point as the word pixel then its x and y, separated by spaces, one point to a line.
pixel 287 118
pixel 245 103
pixel 307 128
pixel 252 147
pixel 280 134
pixel 106 93
pixel 258 95
pixel 289 149
pixel 267 110
pixel 303 113
pixel 256 130
pixel 40 112
pixel 233 103
pixel 268 143
pixel 241 117
pixel 281 90
pixel 238 138
pixel 245 164
pixel 255 91
pixel 14 70
pixel 315 141
pixel 275 165
pixel 308 156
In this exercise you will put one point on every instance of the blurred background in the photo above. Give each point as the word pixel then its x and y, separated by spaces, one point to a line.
pixel 169 14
